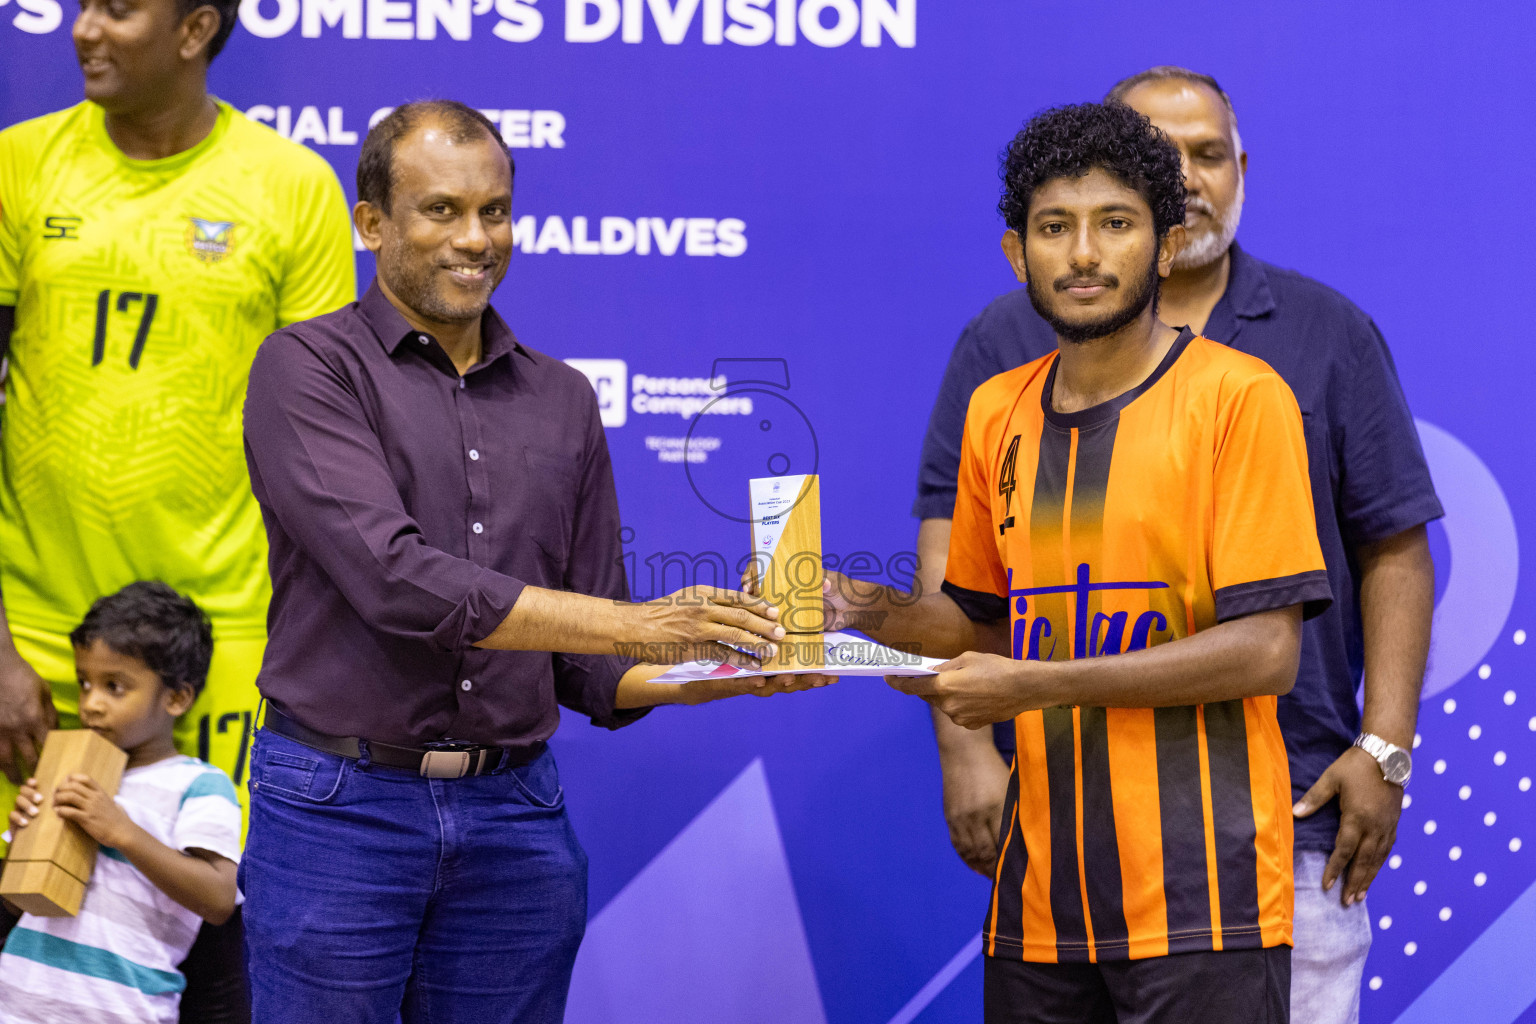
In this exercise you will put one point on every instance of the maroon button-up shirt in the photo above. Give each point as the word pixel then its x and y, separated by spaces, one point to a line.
pixel 406 508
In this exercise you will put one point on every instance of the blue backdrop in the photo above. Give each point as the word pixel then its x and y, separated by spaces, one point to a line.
pixel 703 179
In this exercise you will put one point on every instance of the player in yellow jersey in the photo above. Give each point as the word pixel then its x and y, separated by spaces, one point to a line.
pixel 150 238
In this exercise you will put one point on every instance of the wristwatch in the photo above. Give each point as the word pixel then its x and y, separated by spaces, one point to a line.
pixel 1396 763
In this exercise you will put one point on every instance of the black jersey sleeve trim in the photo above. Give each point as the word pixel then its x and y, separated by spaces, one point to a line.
pixel 978 605
pixel 1308 589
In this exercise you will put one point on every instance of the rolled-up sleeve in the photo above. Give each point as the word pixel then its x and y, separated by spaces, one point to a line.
pixel 588 683
pixel 319 470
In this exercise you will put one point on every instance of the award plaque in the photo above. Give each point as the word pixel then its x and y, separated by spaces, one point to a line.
pixel 786 548
pixel 51 859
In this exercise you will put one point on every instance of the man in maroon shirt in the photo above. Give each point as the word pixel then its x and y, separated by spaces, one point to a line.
pixel 442 516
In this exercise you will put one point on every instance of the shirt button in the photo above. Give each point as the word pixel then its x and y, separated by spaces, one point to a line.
pixel 478 528
pixel 421 338
pixel 474 455
pixel 466 685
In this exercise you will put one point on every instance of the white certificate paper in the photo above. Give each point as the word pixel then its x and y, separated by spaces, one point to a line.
pixel 848 654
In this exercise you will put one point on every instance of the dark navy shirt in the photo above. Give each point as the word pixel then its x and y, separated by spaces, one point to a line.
pixel 1369 478
pixel 407 507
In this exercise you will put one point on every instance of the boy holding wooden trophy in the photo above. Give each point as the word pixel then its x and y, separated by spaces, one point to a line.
pixel 102 941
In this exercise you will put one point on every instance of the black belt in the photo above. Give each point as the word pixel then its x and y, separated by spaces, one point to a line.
pixel 440 761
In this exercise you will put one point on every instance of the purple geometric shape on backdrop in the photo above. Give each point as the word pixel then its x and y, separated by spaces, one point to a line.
pixel 708 931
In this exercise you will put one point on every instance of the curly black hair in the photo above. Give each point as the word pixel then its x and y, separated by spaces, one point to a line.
pixel 1068 142
pixel 153 623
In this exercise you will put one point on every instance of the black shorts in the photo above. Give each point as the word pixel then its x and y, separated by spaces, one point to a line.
pixel 1240 986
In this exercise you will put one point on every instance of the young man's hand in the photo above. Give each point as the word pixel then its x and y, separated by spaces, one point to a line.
pixel 847 603
pixel 79 799
pixel 28 802
pixel 975 690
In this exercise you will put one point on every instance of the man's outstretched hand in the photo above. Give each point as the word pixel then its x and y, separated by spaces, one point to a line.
pixel 846 602
pixel 705 623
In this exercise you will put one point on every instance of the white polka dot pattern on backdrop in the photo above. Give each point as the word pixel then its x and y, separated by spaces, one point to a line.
pixel 1440 820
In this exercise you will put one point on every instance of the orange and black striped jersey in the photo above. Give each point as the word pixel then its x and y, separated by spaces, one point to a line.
pixel 1137 832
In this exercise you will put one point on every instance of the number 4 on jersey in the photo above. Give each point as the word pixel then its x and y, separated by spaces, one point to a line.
pixel 124 300
pixel 1007 482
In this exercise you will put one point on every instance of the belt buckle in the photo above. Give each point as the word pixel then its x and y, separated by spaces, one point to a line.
pixel 445 760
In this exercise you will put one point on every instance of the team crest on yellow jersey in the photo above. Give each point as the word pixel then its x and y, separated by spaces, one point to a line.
pixel 209 241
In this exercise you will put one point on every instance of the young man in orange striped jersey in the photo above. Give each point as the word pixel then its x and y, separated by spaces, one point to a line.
pixel 1132 554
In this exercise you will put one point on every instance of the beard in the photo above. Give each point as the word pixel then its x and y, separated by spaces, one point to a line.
pixel 1080 331
pixel 1209 246
pixel 411 279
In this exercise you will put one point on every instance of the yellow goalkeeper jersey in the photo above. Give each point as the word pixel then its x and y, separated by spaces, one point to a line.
pixel 142 289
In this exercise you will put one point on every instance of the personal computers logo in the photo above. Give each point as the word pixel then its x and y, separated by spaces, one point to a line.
pixel 777 439
pixel 610 379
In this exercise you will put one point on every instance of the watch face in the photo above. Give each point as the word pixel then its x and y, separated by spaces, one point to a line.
pixel 1397 766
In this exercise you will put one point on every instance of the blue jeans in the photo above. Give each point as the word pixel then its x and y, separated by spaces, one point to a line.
pixel 1331 945
pixel 373 894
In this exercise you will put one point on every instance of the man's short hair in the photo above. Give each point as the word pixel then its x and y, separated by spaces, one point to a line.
pixel 228 11
pixel 1167 72
pixel 149 621
pixel 376 165
pixel 1068 142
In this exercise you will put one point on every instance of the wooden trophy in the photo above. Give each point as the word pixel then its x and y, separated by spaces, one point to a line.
pixel 786 546
pixel 51 859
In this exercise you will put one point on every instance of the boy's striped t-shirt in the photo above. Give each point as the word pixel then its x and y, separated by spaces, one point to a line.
pixel 116 961
pixel 1138 832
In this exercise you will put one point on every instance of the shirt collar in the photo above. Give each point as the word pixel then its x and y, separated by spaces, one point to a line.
pixel 1248 286
pixel 1247 297
pixel 392 330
